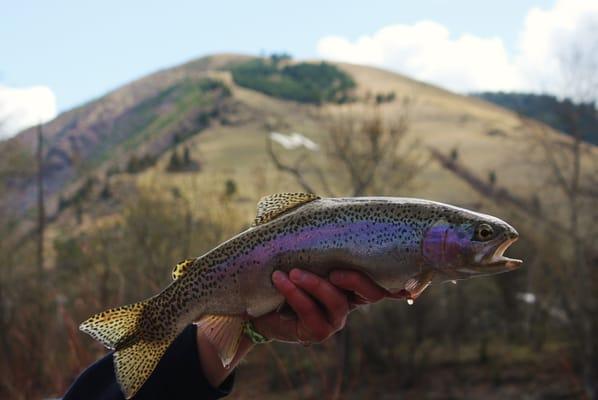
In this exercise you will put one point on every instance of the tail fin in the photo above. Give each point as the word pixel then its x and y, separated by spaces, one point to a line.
pixel 134 364
pixel 137 352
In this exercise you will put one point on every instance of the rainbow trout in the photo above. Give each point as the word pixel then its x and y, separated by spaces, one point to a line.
pixel 401 243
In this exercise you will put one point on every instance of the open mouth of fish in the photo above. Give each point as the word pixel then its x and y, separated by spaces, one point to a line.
pixel 496 258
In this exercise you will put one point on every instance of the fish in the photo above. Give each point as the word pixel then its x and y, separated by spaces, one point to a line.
pixel 403 244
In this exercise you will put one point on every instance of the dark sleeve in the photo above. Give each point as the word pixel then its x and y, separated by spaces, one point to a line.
pixel 178 375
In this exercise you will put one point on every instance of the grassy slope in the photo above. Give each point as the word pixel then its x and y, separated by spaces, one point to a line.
pixel 438 118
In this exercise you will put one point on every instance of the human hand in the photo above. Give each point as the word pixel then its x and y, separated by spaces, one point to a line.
pixel 321 306
pixel 362 290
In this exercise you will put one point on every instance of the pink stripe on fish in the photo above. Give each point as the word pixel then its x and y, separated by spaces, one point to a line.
pixel 443 245
pixel 330 236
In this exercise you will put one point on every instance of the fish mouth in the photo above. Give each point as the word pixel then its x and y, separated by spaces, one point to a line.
pixel 497 260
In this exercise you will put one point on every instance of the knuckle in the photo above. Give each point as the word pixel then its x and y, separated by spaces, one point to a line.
pixel 287 289
pixel 342 279
pixel 320 336
pixel 339 306
pixel 313 281
pixel 375 297
pixel 353 279
pixel 317 330
pixel 304 308
pixel 339 323
pixel 299 299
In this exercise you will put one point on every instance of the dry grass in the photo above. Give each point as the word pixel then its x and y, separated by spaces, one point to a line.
pixel 487 138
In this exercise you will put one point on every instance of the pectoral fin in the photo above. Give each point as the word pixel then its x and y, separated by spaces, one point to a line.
pixel 418 283
pixel 224 332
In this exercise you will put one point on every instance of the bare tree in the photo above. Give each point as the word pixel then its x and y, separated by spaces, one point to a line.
pixel 367 152
pixel 578 69
pixel 41 209
pixel 565 229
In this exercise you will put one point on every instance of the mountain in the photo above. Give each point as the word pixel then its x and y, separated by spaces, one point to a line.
pixel 140 118
pixel 218 110
pixel 169 166
pixel 561 114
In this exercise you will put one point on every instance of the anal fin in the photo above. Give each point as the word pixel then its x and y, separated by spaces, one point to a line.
pixel 224 332
pixel 418 283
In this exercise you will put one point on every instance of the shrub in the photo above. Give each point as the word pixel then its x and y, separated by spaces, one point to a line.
pixel 136 164
pixel 385 97
pixel 302 82
pixel 184 164
pixel 230 188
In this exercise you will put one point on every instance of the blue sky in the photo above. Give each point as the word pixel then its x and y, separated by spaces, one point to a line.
pixel 79 50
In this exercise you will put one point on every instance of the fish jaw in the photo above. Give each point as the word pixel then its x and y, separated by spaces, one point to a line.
pixel 496 262
pixel 491 261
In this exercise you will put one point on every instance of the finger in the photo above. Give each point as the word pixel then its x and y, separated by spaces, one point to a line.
pixel 359 283
pixel 356 300
pixel 333 299
pixel 401 294
pixel 286 312
pixel 311 317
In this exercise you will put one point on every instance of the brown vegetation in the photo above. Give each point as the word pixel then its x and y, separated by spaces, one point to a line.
pixel 118 235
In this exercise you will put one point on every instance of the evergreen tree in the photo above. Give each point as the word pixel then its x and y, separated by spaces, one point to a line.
pixel 230 188
pixel 174 164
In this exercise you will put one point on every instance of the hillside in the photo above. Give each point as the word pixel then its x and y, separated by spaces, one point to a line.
pixel 169 166
pixel 128 135
pixel 562 115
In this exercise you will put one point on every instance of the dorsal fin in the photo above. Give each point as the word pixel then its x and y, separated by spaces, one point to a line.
pixel 272 206
pixel 181 268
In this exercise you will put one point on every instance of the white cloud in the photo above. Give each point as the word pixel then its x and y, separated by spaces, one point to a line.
pixel 24 107
pixel 426 50
pixel 550 38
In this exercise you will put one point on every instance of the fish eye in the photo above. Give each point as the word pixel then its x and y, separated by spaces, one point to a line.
pixel 483 232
